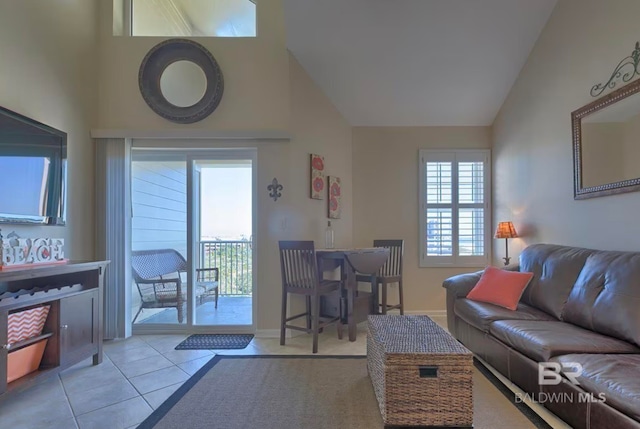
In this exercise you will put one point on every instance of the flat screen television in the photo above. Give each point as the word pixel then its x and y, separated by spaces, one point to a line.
pixel 33 171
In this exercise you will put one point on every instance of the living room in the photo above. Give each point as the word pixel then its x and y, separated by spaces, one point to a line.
pixel 498 76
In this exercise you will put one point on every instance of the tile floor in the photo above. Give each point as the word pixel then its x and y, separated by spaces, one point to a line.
pixel 136 376
pixel 140 373
pixel 232 310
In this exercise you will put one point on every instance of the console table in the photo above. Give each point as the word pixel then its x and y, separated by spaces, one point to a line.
pixel 74 324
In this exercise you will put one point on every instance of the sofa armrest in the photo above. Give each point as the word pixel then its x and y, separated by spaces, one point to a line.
pixel 458 287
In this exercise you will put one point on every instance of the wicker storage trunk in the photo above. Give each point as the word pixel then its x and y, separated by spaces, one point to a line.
pixel 421 375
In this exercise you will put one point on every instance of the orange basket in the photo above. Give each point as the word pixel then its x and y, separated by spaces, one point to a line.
pixel 25 360
pixel 26 324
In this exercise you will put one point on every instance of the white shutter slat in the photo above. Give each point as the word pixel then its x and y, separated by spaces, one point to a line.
pixel 470 182
pixel 471 232
pixel 439 181
pixel 439 232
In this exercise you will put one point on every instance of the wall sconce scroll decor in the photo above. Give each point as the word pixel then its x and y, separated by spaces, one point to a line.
pixel 274 189
pixel 626 70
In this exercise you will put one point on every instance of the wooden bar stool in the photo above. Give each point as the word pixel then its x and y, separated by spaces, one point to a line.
pixel 299 268
pixel 391 272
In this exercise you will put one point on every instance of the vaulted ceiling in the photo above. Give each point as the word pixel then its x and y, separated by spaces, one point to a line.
pixel 415 62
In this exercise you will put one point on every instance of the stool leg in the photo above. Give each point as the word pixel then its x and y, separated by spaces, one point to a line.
pixel 283 320
pixel 384 297
pixel 400 294
pixel 315 321
pixel 375 307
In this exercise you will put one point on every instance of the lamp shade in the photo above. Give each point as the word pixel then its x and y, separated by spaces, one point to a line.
pixel 506 230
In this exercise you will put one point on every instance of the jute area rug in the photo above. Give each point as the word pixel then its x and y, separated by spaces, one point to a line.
pixel 296 392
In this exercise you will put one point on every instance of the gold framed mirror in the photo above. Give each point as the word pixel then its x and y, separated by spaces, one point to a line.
pixel 606 150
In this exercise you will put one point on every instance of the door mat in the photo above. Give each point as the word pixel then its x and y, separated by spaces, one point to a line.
pixel 215 341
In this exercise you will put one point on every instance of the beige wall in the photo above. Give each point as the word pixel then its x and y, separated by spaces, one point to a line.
pixel 631 148
pixel 265 89
pixel 317 127
pixel 47 69
pixel 385 197
pixel 533 168
pixel 255 70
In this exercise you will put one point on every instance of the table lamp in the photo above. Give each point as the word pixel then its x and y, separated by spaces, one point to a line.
pixel 506 230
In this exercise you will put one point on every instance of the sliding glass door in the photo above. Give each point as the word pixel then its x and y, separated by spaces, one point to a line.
pixel 192 249
pixel 158 238
pixel 222 222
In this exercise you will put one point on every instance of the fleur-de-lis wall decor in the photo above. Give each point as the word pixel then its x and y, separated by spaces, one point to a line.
pixel 274 189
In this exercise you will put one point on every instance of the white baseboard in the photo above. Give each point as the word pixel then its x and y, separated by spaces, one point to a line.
pixel 267 333
pixel 275 333
pixel 430 313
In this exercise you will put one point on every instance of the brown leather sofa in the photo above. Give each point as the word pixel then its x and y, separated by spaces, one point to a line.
pixel 582 306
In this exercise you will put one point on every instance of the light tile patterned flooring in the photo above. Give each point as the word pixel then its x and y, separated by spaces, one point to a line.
pixel 137 375
pixel 140 373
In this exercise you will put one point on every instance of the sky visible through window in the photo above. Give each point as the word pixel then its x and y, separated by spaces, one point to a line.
pixel 226 203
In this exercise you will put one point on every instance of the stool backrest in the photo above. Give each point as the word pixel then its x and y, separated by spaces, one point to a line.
pixel 393 266
pixel 298 264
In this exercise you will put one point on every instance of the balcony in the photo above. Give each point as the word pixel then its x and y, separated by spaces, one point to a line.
pixel 234 262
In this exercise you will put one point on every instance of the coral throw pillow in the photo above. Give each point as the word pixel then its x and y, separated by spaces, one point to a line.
pixel 500 287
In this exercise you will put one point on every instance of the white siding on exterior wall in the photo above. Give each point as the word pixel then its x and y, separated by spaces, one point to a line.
pixel 159 204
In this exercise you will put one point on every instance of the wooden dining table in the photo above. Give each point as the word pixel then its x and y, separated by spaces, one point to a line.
pixel 364 261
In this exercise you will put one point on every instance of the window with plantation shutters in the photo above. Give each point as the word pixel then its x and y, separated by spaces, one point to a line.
pixel 454 208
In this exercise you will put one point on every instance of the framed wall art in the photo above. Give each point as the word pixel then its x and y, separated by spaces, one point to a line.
pixel 317 177
pixel 335 193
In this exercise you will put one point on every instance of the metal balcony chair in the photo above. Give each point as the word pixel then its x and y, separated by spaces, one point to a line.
pixel 389 273
pixel 157 276
pixel 299 268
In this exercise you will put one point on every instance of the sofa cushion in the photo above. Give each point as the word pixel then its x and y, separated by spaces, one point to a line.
pixel 617 376
pixel 481 314
pixel 500 287
pixel 606 296
pixel 542 340
pixel 555 269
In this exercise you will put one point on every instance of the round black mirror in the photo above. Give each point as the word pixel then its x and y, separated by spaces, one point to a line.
pixel 181 81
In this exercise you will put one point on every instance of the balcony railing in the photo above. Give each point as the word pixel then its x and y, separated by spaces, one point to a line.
pixel 234 262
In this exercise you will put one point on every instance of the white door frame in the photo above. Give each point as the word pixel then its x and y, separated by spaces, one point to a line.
pixel 191 156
